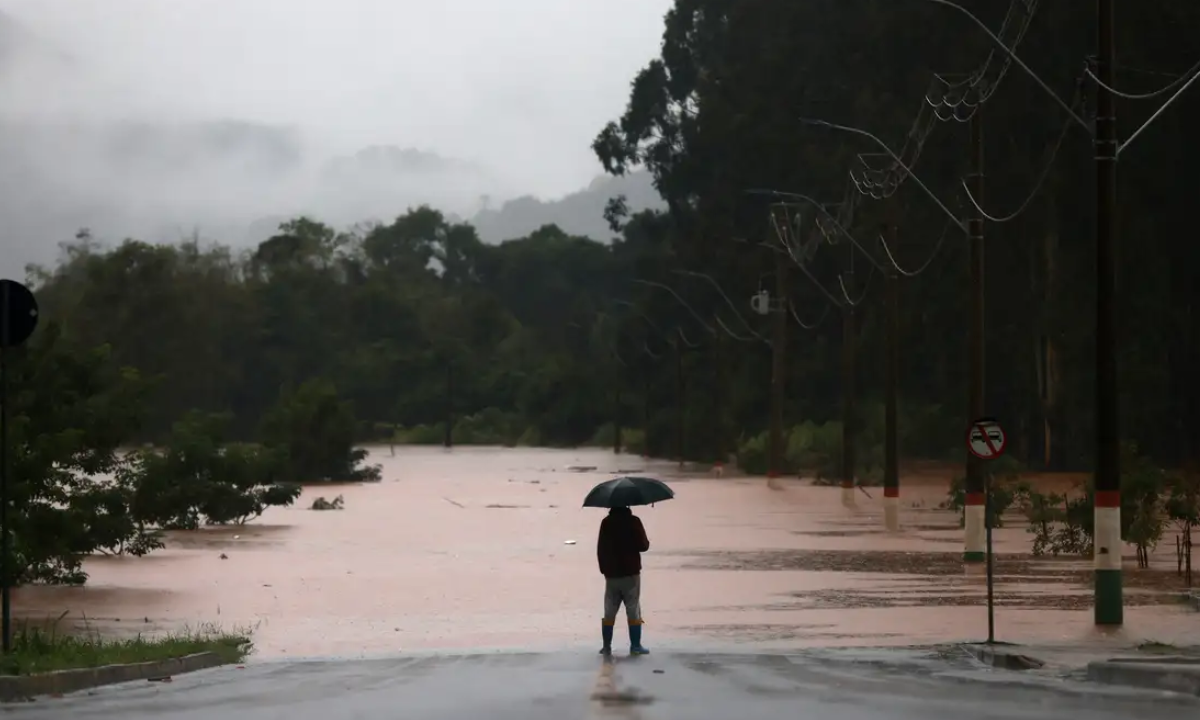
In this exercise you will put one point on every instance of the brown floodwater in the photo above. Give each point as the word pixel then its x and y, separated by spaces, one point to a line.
pixel 487 548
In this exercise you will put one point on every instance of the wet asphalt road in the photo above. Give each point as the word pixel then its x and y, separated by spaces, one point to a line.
pixel 835 685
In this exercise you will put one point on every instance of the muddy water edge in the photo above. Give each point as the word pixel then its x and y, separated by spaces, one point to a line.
pixel 486 548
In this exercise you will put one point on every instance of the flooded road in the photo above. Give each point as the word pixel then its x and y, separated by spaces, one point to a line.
pixel 471 549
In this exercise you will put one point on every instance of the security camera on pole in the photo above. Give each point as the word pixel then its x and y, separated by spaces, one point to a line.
pixel 761 303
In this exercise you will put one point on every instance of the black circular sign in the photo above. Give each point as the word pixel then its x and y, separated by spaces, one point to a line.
pixel 18 313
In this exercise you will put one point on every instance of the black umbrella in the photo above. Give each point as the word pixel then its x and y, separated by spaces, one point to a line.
pixel 627 492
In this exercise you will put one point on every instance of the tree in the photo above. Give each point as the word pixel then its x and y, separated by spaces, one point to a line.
pixel 314 430
pixel 71 410
pixel 198 478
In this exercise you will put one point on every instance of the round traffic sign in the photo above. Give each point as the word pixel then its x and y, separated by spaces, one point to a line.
pixel 986 439
pixel 18 313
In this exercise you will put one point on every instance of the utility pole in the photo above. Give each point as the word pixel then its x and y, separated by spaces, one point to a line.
pixel 448 438
pixel 645 411
pixel 1107 510
pixel 778 368
pixel 718 351
pixel 891 450
pixel 680 409
pixel 617 440
pixel 974 551
pixel 849 415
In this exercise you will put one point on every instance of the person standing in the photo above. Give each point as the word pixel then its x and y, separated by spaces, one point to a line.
pixel 619 549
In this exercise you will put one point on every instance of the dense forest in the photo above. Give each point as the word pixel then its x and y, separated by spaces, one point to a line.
pixel 416 331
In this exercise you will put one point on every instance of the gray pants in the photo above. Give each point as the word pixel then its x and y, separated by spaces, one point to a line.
pixel 623 590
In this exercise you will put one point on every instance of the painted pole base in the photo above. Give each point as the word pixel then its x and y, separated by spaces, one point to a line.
pixel 975 534
pixel 1110 610
pixel 891 514
pixel 848 498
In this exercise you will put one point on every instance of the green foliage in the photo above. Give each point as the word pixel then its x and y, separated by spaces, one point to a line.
pixel 313 430
pixel 633 440
pixel 1003 478
pixel 70 410
pixel 41 650
pixel 198 478
pixel 1150 498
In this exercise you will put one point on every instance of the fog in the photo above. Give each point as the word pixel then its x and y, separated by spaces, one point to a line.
pixel 163 118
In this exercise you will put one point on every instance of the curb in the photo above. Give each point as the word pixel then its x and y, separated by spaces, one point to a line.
pixel 18 688
pixel 1003 659
pixel 1173 674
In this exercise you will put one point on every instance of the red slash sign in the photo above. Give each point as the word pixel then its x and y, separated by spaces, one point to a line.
pixel 986 439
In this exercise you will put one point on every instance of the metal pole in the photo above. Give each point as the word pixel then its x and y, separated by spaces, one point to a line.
pixel 891 449
pixel 718 352
pixel 617 418
pixel 991 580
pixel 448 437
pixel 973 550
pixel 778 367
pixel 679 404
pixel 5 528
pixel 1107 557
pixel 645 411
pixel 849 418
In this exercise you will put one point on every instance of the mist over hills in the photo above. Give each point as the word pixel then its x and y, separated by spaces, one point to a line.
pixel 93 154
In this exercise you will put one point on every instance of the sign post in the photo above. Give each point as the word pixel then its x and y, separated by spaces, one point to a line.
pixel 18 318
pixel 986 440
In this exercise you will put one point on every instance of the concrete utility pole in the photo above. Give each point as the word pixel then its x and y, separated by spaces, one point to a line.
pixel 680 404
pixel 645 412
pixel 617 444
pixel 891 449
pixel 1107 510
pixel 719 395
pixel 849 411
pixel 448 437
pixel 778 369
pixel 975 540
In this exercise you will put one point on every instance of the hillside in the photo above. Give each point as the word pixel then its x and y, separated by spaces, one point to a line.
pixel 579 213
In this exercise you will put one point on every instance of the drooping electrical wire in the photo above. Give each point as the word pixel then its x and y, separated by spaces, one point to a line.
pixel 808 326
pixel 794 254
pixel 1077 101
pixel 1191 72
pixel 928 261
pixel 732 306
pixel 866 288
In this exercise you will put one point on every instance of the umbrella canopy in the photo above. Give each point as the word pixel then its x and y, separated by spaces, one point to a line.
pixel 628 492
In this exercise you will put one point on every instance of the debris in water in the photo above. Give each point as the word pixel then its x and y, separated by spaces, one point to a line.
pixel 580 468
pixel 224 556
pixel 568 542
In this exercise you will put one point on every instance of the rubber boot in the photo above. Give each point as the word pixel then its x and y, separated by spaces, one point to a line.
pixel 606 633
pixel 635 641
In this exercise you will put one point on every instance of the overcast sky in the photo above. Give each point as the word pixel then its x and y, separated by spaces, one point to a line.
pixel 520 86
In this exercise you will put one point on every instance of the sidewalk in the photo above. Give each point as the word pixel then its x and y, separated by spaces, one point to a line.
pixel 1152 666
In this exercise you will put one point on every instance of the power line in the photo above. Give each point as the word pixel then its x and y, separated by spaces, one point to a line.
pixel 947 100
pixel 929 261
pixel 1145 96
pixel 1037 186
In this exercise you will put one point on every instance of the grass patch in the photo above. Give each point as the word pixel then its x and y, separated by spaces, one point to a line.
pixel 39 649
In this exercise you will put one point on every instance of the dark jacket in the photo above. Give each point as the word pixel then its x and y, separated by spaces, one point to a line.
pixel 621 544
